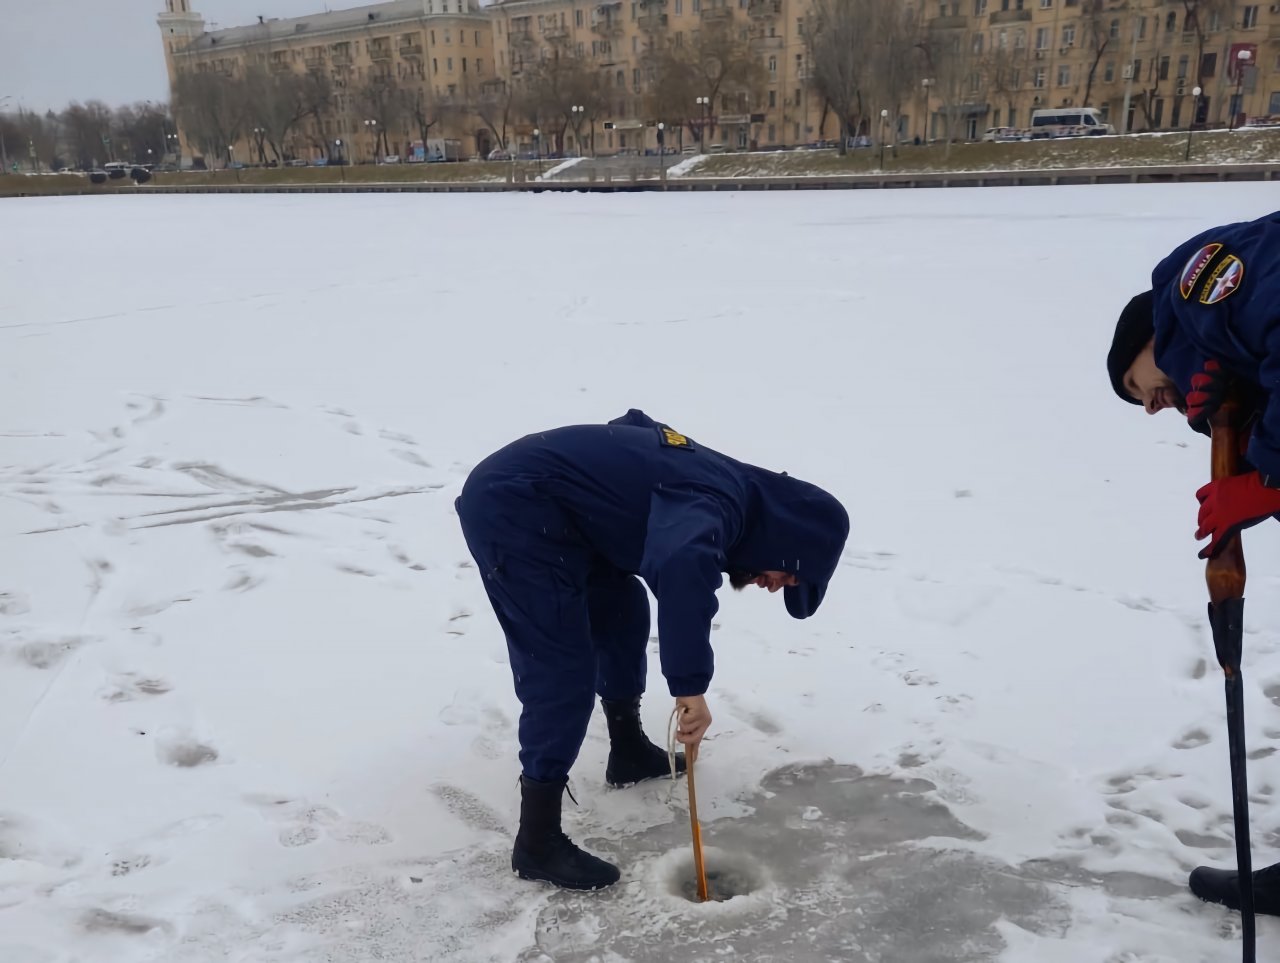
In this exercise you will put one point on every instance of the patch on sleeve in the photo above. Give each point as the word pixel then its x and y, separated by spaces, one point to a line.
pixel 673 439
pixel 1223 281
pixel 1195 267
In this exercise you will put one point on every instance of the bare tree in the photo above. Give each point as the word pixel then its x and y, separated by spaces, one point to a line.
pixel 720 64
pixel 1200 16
pixel 493 101
pixel 896 59
pixel 276 104
pixel 212 110
pixel 840 41
pixel 379 99
pixel 557 83
pixel 1097 28
pixel 88 128
pixel 672 88
pixel 957 72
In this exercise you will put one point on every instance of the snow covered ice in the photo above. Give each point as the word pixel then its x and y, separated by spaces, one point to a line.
pixel 254 706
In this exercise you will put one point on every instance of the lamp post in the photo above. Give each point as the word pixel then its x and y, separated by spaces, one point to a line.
pixel 537 148
pixel 577 112
pixel 662 154
pixel 372 125
pixel 924 117
pixel 1195 109
pixel 342 163
pixel 704 104
pixel 1242 60
pixel 262 154
pixel 231 160
pixel 884 119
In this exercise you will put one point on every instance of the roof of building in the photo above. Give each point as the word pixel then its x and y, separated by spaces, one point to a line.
pixel 371 15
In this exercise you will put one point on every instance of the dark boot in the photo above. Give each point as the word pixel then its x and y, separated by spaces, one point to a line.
pixel 632 757
pixel 545 853
pixel 1220 886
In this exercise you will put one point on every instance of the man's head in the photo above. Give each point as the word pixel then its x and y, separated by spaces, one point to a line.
pixel 1131 363
pixel 765 580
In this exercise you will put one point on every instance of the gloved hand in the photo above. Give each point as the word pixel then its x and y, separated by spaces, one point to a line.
pixel 1230 505
pixel 1208 388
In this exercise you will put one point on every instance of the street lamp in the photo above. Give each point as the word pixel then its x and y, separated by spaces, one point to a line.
pixel 342 163
pixel 704 103
pixel 262 154
pixel 577 112
pixel 372 125
pixel 1195 109
pixel 537 148
pixel 924 117
pixel 662 153
pixel 884 118
pixel 1242 60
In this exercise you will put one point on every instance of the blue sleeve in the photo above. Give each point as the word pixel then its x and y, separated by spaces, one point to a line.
pixel 684 556
pixel 1264 445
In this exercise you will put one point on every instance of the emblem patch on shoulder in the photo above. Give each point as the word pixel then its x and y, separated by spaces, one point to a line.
pixel 1224 280
pixel 672 438
pixel 1195 267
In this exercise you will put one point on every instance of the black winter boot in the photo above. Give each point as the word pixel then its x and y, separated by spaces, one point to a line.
pixel 632 757
pixel 545 853
pixel 1221 886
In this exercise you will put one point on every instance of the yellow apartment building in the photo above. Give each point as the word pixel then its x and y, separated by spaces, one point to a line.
pixel 492 76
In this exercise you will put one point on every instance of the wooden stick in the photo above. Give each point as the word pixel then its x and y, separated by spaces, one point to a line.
pixel 698 866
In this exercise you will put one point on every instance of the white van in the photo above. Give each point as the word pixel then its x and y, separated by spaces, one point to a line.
pixel 1069 122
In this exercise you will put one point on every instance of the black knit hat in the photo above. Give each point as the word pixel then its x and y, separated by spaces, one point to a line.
pixel 1135 328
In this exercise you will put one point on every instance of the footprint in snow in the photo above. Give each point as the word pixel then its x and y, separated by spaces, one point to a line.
pixel 129 686
pixel 1192 739
pixel 305 823
pixel 180 747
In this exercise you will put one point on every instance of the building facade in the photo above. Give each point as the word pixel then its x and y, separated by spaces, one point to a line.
pixel 596 75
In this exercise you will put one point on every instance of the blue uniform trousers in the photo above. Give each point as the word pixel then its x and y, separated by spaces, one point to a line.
pixel 575 625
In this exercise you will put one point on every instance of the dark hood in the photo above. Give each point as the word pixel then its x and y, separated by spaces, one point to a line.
pixel 793 527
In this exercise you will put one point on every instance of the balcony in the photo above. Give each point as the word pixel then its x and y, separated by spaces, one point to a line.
pixel 556 31
pixel 1010 16
pixel 764 9
pixel 379 54
pixel 280 65
pixel 606 26
pixel 341 58
pixel 411 51
pixel 313 60
pixel 652 21
pixel 766 43
pixel 957 22
pixel 716 14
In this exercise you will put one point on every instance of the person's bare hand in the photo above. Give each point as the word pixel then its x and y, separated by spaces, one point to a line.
pixel 693 721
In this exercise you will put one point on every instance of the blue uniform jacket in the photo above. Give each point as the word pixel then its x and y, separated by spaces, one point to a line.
pixel 652 502
pixel 1218 297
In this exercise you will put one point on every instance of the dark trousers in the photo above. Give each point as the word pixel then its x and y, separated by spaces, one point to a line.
pixel 575 626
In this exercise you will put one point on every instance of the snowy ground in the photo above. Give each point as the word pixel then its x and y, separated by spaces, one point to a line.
pixel 253 706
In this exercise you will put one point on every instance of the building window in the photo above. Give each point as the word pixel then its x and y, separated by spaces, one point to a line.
pixel 679 7
pixel 464 65
pixel 796 102
pixel 1209 65
pixel 1164 68
pixel 462 37
pixel 696 6
pixel 1142 28
pixel 1046 4
pixel 1013 117
pixel 1114 31
pixel 435 66
pixel 479 66
pixel 1250 18
pixel 1109 71
pixel 577 18
pixel 1215 21
pixel 449 63
pixel 979 7
pixel 478 37
pixel 1069 36
pixel 1064 75
pixel 1037 78
pixel 773 102
pixel 1171 21
pixel 1042 38
pixel 773 67
pixel 448 40
pixel 433 38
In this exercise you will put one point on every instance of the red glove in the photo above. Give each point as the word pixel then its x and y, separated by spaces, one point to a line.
pixel 1208 388
pixel 1230 505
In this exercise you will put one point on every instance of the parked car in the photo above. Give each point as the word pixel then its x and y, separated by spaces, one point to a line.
pixel 295 162
pixel 498 154
pixel 391 159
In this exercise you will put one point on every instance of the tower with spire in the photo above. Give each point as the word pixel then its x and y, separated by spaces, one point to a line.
pixel 180 26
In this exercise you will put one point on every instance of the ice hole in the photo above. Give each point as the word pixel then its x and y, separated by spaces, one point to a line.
pixel 729 875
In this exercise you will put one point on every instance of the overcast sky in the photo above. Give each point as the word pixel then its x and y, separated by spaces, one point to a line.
pixel 57 51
